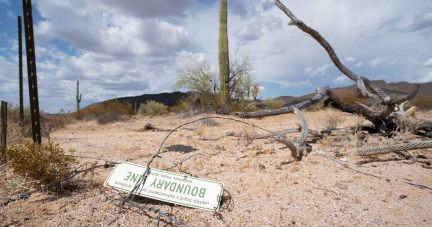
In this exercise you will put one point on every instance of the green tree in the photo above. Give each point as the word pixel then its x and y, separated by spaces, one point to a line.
pixel 255 91
pixel 202 79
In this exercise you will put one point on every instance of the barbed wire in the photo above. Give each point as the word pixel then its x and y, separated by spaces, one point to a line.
pixel 380 177
pixel 141 181
pixel 102 159
pixel 28 194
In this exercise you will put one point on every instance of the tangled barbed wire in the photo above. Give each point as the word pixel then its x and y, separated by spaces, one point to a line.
pixel 128 201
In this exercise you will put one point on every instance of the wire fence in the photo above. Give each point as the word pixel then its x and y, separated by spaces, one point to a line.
pixel 128 200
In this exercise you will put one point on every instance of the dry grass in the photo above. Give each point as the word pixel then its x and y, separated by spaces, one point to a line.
pixel 331 118
pixel 248 133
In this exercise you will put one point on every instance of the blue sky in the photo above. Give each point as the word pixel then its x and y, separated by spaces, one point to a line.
pixel 133 47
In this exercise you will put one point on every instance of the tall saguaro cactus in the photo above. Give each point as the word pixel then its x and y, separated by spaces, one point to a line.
pixel 31 70
pixel 20 70
pixel 223 51
pixel 78 98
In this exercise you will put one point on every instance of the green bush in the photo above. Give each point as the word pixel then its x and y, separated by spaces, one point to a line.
pixel 44 163
pixel 152 108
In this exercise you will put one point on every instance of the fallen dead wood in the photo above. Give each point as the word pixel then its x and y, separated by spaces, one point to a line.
pixel 312 132
pixel 149 126
pixel 395 148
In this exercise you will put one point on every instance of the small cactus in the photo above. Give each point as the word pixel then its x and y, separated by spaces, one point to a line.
pixel 78 98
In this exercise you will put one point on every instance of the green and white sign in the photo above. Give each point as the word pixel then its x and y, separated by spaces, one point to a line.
pixel 166 186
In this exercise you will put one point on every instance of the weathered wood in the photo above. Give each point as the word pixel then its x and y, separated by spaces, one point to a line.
pixel 312 132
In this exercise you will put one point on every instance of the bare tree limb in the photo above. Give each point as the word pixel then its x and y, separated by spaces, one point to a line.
pixel 312 132
pixel 394 148
pixel 321 92
pixel 149 126
pixel 362 82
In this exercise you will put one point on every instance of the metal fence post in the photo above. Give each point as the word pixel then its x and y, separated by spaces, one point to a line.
pixel 3 133
pixel 31 69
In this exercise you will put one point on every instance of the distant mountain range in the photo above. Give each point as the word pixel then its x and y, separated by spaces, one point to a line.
pixel 393 89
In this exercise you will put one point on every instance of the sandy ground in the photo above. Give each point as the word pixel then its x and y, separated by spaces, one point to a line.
pixel 263 186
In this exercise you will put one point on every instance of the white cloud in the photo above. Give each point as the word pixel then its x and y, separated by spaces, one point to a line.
pixel 320 71
pixel 101 32
pixel 425 79
pixel 5 1
pixel 428 63
pixel 186 59
pixel 377 61
pixel 7 69
pixel 341 80
pixel 286 84
pixel 148 8
pixel 349 59
pixel 48 65
pixel 413 62
pixel 414 20
pixel 261 88
pixel 115 44
pixel 10 14
pixel 257 29
pixel 382 77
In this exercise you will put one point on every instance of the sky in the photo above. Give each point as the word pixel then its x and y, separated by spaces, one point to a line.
pixel 134 47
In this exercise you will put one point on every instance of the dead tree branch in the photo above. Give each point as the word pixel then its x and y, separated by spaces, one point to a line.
pixel 149 126
pixel 362 82
pixel 394 148
pixel 312 132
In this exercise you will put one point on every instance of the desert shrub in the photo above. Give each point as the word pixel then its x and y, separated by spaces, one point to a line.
pixel 195 104
pixel 316 107
pixel 272 103
pixel 109 111
pixel 107 117
pixel 248 132
pixel 182 105
pixel 422 103
pixel 351 98
pixel 44 163
pixel 57 121
pixel 331 118
pixel 244 106
pixel 153 108
pixel 18 129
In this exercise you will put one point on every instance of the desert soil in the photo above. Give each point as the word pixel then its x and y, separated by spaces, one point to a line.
pixel 264 187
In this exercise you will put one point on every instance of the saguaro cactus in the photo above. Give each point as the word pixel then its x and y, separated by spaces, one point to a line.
pixel 20 70
pixel 31 69
pixel 78 98
pixel 223 52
